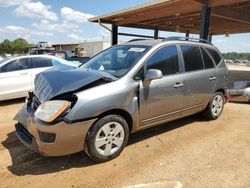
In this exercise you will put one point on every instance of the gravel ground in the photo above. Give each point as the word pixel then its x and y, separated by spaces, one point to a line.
pixel 190 152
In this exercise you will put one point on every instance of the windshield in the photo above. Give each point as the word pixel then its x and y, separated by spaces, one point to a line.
pixel 117 60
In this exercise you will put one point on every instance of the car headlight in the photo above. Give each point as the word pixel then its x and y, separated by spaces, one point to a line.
pixel 50 110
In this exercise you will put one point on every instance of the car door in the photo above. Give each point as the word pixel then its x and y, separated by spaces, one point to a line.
pixel 40 64
pixel 15 79
pixel 161 100
pixel 197 86
pixel 210 75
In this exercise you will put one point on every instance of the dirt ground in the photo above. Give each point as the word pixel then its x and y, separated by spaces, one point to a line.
pixel 190 152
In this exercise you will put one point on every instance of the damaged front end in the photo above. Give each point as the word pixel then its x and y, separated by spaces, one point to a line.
pixel 63 81
pixel 40 121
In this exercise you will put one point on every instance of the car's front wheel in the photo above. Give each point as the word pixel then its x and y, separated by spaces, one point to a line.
pixel 107 138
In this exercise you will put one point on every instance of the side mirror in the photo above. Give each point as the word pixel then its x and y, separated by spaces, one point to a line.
pixel 152 74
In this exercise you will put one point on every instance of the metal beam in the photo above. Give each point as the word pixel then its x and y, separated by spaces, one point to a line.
pixel 114 35
pixel 205 22
pixel 136 35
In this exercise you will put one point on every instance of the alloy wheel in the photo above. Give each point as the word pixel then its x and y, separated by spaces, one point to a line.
pixel 109 138
pixel 217 105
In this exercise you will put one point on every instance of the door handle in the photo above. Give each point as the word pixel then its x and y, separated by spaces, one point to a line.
pixel 212 78
pixel 23 73
pixel 178 84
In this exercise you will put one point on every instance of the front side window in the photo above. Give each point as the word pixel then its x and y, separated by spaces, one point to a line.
pixel 165 60
pixel 39 62
pixel 192 58
pixel 17 65
pixel 215 55
pixel 117 60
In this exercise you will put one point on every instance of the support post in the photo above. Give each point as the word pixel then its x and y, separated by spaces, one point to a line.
pixel 156 33
pixel 210 37
pixel 114 35
pixel 205 22
pixel 187 34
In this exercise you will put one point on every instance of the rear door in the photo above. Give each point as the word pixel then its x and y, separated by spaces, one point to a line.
pixel 40 64
pixel 15 79
pixel 210 75
pixel 196 82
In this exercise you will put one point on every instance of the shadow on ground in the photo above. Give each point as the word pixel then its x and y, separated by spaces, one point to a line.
pixel 12 101
pixel 25 161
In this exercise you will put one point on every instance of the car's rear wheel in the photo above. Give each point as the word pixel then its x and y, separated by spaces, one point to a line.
pixel 107 138
pixel 215 106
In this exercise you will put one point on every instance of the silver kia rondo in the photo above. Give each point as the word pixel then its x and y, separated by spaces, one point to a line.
pixel 122 90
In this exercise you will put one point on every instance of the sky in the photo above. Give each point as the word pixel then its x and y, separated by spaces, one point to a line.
pixel 66 21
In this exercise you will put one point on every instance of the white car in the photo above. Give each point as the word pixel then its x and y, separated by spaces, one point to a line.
pixel 17 74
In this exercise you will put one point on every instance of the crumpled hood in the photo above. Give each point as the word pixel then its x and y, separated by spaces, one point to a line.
pixel 63 79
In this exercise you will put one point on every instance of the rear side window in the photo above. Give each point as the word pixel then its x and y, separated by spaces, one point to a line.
pixel 215 55
pixel 207 60
pixel 39 62
pixel 192 58
pixel 17 65
pixel 165 59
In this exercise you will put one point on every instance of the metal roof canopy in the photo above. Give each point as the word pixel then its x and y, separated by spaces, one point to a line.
pixel 204 17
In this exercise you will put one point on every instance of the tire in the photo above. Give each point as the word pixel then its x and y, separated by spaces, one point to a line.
pixel 107 138
pixel 215 106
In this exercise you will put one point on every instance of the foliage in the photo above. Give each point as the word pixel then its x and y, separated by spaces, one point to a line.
pixel 235 55
pixel 17 46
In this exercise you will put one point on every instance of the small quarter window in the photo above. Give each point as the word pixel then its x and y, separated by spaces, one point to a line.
pixel 140 74
pixel 215 55
pixel 192 58
pixel 207 60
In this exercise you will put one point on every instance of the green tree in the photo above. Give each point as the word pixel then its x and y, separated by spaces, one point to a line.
pixel 20 45
pixel 6 46
pixel 17 46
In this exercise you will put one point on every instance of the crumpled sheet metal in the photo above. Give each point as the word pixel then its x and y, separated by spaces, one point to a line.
pixel 60 80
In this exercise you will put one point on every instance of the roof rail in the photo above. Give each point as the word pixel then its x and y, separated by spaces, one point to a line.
pixel 134 40
pixel 188 39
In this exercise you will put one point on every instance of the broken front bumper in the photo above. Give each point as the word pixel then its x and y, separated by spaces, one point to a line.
pixel 50 140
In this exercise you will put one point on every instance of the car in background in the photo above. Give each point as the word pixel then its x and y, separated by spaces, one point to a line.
pixel 240 92
pixel 17 74
pixel 229 61
pixel 68 55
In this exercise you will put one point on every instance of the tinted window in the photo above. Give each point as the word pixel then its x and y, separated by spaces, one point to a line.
pixel 215 55
pixel 192 58
pixel 207 60
pixel 165 59
pixel 42 62
pixel 16 65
